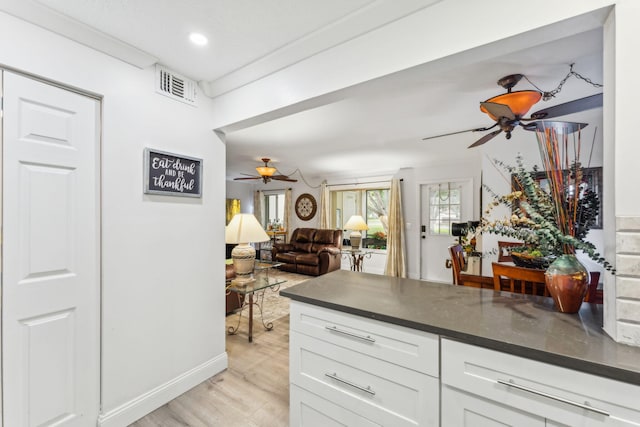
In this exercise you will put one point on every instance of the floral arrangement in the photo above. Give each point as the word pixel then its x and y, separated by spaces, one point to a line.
pixel 553 222
pixel 379 235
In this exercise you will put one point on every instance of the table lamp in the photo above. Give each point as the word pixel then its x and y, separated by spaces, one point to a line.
pixel 244 229
pixel 357 224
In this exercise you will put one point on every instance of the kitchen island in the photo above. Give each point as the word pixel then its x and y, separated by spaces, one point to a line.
pixel 528 337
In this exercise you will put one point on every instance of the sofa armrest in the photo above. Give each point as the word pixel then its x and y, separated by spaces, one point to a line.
pixel 330 249
pixel 281 247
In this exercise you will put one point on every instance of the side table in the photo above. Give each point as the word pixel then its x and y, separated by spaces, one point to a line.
pixel 356 257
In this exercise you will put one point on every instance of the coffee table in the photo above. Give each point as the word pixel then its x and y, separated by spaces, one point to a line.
pixel 253 292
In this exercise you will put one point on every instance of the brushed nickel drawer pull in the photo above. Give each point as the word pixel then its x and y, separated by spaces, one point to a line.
pixel 366 389
pixel 510 383
pixel 351 334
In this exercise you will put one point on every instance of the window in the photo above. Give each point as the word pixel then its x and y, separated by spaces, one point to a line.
pixel 273 209
pixel 372 204
pixel 444 207
pixel 377 211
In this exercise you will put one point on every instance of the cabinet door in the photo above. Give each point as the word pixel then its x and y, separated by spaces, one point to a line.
pixel 310 410
pixel 460 409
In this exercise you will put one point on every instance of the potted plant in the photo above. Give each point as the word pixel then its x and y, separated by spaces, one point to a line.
pixel 379 240
pixel 552 222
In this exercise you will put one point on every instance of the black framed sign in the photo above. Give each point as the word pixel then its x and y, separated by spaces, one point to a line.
pixel 172 174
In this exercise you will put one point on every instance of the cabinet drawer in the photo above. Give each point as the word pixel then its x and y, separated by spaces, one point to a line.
pixel 555 392
pixel 461 409
pixel 379 390
pixel 407 347
pixel 310 410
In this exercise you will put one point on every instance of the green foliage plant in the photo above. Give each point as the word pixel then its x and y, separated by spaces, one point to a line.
pixel 550 223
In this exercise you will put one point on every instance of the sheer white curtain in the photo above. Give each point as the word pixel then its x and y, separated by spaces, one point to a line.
pixel 287 213
pixel 396 264
pixel 258 205
pixel 325 213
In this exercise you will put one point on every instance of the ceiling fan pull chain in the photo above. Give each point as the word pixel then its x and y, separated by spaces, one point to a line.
pixel 551 94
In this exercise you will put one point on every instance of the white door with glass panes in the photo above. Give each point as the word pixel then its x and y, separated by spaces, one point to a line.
pixel 441 203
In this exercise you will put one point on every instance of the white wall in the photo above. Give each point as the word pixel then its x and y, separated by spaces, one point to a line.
pixel 297 188
pixel 162 292
pixel 405 43
pixel 242 191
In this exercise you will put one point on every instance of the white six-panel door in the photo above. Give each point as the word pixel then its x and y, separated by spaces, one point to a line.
pixel 50 261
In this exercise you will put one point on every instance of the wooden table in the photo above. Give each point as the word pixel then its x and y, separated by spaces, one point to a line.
pixel 275 233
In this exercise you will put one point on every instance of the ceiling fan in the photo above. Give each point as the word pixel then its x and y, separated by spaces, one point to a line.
pixel 267 173
pixel 508 110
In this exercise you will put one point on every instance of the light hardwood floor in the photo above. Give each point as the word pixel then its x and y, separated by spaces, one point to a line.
pixel 252 392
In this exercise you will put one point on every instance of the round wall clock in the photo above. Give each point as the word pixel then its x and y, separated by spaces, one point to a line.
pixel 306 206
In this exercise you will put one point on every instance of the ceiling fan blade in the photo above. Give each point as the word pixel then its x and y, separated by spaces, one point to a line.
pixel 575 106
pixel 485 138
pixel 461 131
pixel 283 178
pixel 498 110
pixel 252 177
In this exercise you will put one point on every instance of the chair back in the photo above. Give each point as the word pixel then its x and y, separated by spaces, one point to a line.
pixel 518 279
pixel 594 295
pixel 457 262
pixel 503 250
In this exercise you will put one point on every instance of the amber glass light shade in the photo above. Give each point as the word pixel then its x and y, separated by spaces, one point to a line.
pixel 520 102
pixel 266 170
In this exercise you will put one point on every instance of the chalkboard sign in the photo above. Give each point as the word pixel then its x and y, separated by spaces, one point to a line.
pixel 171 174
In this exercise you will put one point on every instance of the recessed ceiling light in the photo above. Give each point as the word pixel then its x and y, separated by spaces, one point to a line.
pixel 199 39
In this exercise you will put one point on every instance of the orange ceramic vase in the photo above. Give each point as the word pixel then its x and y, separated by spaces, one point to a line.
pixel 567 281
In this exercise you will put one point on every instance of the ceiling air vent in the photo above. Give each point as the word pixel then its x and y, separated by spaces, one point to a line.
pixel 175 86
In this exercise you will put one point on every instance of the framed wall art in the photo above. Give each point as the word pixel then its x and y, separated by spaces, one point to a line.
pixel 171 174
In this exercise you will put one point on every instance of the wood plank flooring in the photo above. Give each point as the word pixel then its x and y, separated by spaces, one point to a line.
pixel 252 392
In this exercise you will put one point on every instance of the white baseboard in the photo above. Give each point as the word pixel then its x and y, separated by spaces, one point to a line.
pixel 137 408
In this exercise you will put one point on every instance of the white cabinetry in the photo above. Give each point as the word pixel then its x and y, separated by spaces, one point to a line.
pixel 345 367
pixel 482 387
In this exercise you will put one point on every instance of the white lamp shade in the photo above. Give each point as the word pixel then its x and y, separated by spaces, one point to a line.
pixel 356 222
pixel 244 228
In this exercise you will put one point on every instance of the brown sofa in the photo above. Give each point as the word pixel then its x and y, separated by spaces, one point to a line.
pixel 309 251
pixel 233 301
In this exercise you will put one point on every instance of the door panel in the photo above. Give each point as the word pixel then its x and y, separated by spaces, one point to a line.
pixel 433 248
pixel 50 263
pixel 48 232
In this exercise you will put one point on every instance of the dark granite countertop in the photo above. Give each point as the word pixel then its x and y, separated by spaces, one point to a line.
pixel 522 325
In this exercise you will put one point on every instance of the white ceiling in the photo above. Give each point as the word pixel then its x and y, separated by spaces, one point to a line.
pixel 379 127
pixel 375 129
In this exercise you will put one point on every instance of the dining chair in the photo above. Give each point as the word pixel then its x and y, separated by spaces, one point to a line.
pixel 503 250
pixel 594 295
pixel 519 279
pixel 457 262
